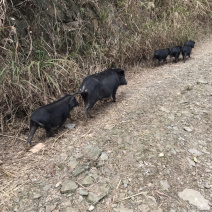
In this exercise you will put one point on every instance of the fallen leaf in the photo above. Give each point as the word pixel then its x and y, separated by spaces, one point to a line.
pixel 37 147
pixel 195 160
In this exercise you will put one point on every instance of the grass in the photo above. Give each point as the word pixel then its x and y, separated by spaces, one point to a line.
pixel 53 59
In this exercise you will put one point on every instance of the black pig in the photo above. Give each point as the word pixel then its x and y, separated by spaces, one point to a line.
pixel 186 51
pixel 51 115
pixel 175 52
pixel 189 43
pixel 187 48
pixel 161 54
pixel 100 86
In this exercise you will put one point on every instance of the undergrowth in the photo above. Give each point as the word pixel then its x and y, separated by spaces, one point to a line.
pixel 53 55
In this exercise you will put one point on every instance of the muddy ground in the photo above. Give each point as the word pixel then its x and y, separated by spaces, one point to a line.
pixel 149 151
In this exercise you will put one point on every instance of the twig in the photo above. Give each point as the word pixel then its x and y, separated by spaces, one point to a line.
pixel 15 137
pixel 59 137
pixel 4 48
pixel 118 184
pixel 94 184
pixel 132 196
pixel 30 50
pixel 85 133
pixel 82 186
pixel 2 126
pixel 10 136
pixel 12 190
pixel 162 194
pixel 8 173
pixel 5 194
pixel 196 172
pixel 2 188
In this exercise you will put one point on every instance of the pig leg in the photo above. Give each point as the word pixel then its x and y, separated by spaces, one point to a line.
pixel 88 105
pixel 87 110
pixel 184 58
pixel 160 59
pixel 33 128
pixel 62 123
pixel 114 94
pixel 154 61
pixel 48 129
pixel 177 57
pixel 86 113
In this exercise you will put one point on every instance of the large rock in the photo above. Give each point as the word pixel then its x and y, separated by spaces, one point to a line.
pixel 80 168
pixel 68 186
pixel 50 208
pixel 72 163
pixel 95 198
pixel 82 192
pixel 87 181
pixel 92 152
pixel 194 198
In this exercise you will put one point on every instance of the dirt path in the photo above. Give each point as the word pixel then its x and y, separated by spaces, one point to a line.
pixel 155 142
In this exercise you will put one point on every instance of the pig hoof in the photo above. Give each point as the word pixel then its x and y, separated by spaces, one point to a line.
pixel 50 134
pixel 91 116
pixel 28 147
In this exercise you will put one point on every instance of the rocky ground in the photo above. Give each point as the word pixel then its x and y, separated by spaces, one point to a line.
pixel 150 151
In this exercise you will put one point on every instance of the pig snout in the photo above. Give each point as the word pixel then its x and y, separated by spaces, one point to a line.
pixel 123 81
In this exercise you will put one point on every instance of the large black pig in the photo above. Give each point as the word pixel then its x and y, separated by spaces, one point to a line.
pixel 175 52
pixel 51 115
pixel 161 54
pixel 100 86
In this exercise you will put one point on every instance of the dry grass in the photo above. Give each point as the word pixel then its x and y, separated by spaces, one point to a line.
pixel 115 33
pixel 29 168
pixel 2 13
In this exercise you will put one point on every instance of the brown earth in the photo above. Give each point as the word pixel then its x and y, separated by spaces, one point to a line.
pixel 149 137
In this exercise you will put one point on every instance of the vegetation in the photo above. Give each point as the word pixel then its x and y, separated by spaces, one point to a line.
pixel 61 46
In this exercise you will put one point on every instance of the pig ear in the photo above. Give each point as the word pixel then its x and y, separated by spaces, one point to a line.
pixel 72 98
pixel 70 102
pixel 121 72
